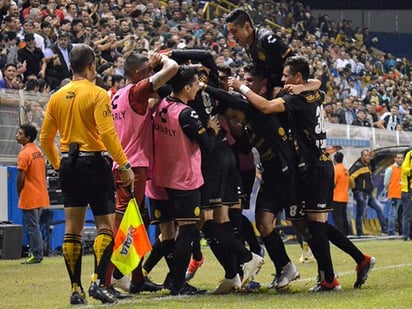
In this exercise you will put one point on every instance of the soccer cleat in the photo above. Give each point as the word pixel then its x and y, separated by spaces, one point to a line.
pixel 252 286
pixel 275 281
pixel 363 269
pixel 146 286
pixel 78 298
pixel 167 283
pixel 118 294
pixel 32 260
pixel 187 289
pixel 324 286
pixel 289 273
pixel 102 293
pixel 307 256
pixel 251 268
pixel 229 285
pixel 194 265
pixel 122 283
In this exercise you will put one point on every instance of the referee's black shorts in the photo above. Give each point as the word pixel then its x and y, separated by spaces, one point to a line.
pixel 88 181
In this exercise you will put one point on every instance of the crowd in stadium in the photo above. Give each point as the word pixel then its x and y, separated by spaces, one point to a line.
pixel 364 86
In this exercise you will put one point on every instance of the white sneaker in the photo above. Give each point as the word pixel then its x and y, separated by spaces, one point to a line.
pixel 122 283
pixel 229 285
pixel 251 268
pixel 307 256
pixel 289 273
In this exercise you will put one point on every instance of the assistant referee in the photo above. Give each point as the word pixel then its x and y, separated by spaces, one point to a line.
pixel 81 113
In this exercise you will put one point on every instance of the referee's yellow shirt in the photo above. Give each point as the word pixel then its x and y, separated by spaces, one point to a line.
pixel 81 113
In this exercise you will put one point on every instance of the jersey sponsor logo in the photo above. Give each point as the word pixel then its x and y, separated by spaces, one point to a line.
pixel 272 39
pixel 165 130
pixel 119 115
pixel 37 155
pixel 313 97
pixel 321 206
pixel 70 95
pixel 107 112
pixel 194 115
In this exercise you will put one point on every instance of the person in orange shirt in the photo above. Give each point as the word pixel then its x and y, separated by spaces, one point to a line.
pixel 340 194
pixel 31 188
pixel 392 184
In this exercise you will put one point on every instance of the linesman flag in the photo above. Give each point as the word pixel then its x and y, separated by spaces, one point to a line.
pixel 131 242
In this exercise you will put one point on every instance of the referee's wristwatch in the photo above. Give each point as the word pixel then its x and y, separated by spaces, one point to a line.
pixel 126 167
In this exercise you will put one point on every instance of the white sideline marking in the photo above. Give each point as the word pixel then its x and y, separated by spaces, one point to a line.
pixel 346 273
pixel 168 297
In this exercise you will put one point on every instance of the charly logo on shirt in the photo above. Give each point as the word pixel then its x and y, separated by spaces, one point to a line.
pixel 107 112
pixel 70 95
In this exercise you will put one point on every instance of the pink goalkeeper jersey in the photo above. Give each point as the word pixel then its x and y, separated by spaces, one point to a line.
pixel 134 130
pixel 176 158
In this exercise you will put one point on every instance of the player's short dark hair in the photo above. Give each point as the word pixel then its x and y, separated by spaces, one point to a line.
pixel 238 17
pixel 186 75
pixel 338 157
pixel 29 131
pixel 81 56
pixel 132 63
pixel 298 64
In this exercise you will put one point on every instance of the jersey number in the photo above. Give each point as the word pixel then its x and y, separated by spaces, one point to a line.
pixel 320 127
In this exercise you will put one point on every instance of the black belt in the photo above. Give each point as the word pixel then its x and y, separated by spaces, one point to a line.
pixel 88 154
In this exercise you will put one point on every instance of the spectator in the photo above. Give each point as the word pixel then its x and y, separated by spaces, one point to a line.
pixel 51 8
pixel 27 10
pixel 31 189
pixel 340 194
pixel 57 61
pixel 391 120
pixel 33 57
pixel 9 72
pixel 361 119
pixel 392 184
pixel 347 114
pixel 362 187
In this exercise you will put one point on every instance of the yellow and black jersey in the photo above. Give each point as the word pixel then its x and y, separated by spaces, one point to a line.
pixel 307 122
pixel 269 54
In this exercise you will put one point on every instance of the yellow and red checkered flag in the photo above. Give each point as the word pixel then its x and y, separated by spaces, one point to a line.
pixel 131 242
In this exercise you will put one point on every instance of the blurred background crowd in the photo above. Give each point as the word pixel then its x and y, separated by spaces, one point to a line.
pixel 364 86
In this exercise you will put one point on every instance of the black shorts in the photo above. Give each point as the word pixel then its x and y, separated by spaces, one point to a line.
pixel 222 183
pixel 185 203
pixel 88 181
pixel 317 188
pixel 161 211
pixel 248 179
pixel 276 196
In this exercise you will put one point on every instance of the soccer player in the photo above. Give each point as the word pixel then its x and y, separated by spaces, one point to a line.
pixel 179 137
pixel 315 171
pixel 266 50
pixel 81 113
pixel 220 189
pixel 133 123
pixel 267 134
